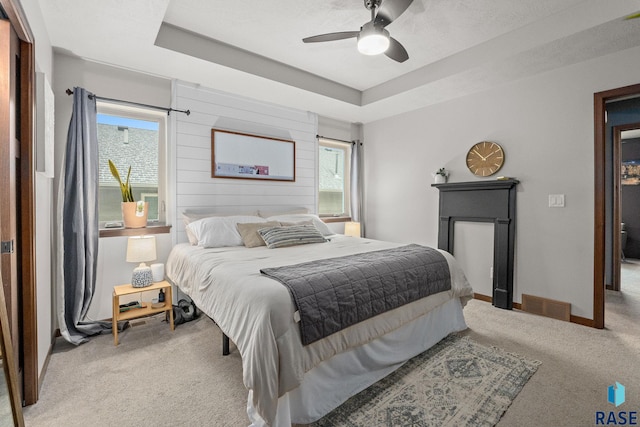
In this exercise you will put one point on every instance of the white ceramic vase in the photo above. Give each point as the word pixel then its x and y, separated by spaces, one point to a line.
pixel 440 179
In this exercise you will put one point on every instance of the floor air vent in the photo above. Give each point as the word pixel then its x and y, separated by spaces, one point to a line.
pixel 546 307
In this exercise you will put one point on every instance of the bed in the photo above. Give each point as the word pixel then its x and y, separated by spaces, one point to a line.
pixel 290 383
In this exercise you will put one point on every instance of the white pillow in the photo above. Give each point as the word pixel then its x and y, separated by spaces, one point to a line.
pixel 220 231
pixel 189 216
pixel 193 240
pixel 320 225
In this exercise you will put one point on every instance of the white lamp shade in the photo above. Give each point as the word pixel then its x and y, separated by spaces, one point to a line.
pixel 141 249
pixel 352 229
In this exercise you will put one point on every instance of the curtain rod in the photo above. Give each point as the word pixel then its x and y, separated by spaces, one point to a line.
pixel 120 101
pixel 335 139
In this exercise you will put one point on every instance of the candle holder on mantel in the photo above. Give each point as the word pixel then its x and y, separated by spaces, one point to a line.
pixel 440 176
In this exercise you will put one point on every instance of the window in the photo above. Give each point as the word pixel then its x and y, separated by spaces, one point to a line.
pixel 334 160
pixel 131 137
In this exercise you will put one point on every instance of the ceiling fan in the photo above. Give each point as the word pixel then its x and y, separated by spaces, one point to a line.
pixel 373 38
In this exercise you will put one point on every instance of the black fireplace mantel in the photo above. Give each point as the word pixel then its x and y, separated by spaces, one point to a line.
pixel 483 201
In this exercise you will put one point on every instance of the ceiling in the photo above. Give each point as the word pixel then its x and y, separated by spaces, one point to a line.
pixel 253 47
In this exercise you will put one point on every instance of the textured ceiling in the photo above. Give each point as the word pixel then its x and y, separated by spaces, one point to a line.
pixel 429 29
pixel 254 47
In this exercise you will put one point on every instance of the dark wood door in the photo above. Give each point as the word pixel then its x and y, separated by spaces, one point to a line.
pixel 9 177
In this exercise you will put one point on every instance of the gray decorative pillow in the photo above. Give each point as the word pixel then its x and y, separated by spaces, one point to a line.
pixel 278 237
pixel 289 224
pixel 320 225
pixel 249 232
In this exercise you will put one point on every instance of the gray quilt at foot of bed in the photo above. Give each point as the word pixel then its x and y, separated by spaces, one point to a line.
pixel 334 293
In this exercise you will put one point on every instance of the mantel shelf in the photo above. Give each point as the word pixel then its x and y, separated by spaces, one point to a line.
pixel 495 184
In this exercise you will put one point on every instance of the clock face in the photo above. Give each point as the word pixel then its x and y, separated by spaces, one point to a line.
pixel 485 158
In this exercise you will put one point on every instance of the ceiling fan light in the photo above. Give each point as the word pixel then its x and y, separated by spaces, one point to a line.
pixel 373 44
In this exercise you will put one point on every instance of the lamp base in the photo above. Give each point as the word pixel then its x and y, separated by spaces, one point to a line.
pixel 142 276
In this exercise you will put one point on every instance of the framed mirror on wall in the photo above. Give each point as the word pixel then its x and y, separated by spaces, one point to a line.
pixel 243 156
pixel 10 400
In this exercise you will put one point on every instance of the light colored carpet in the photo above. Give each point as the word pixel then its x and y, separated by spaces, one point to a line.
pixel 6 416
pixel 163 378
pixel 455 383
pixel 578 363
pixel 154 377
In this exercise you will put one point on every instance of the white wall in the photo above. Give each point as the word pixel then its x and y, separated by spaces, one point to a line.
pixel 194 186
pixel 44 266
pixel 545 125
pixel 110 82
pixel 113 270
pixel 43 200
pixel 43 50
pixel 473 246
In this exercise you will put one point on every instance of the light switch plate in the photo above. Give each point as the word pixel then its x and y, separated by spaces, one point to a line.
pixel 556 200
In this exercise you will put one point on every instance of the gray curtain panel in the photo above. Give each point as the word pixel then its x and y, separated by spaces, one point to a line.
pixel 78 214
pixel 357 185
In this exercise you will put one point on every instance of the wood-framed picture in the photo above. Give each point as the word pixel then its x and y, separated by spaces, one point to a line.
pixel 630 172
pixel 244 156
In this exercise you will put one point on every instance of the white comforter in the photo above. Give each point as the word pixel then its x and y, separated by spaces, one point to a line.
pixel 257 313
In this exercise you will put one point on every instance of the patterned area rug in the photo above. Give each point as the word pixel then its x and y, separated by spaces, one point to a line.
pixel 457 382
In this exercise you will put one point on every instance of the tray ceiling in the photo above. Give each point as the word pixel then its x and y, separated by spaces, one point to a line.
pixel 253 48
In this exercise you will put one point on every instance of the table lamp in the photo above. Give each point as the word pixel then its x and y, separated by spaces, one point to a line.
pixel 352 229
pixel 141 249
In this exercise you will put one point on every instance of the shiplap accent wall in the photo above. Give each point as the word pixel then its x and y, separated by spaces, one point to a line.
pixel 190 154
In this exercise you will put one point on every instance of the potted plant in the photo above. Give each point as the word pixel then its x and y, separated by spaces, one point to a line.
pixel 134 214
pixel 441 176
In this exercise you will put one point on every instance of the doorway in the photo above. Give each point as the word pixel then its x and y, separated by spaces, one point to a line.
pixel 17 171
pixel 607 227
pixel 626 145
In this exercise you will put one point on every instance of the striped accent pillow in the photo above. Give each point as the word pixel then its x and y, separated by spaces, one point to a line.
pixel 278 237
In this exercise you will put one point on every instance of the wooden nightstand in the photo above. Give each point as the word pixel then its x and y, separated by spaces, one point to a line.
pixel 120 290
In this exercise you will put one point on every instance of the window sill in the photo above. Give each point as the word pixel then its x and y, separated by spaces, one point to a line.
pixel 151 228
pixel 328 219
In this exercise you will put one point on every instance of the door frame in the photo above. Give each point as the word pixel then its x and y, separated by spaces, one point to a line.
pixel 617 200
pixel 599 279
pixel 26 204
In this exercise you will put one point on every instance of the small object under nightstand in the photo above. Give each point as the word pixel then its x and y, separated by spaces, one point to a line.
pixel 144 310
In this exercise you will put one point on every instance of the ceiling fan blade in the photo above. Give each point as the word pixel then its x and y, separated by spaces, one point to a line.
pixel 634 16
pixel 331 36
pixel 390 10
pixel 396 51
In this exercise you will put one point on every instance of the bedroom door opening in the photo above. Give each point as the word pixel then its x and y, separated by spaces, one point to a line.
pixel 611 109
pixel 626 140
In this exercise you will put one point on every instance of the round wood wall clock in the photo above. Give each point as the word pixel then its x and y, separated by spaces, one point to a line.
pixel 485 158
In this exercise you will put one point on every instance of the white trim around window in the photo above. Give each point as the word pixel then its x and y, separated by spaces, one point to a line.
pixel 342 171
